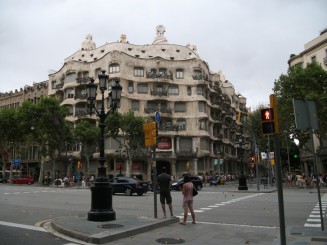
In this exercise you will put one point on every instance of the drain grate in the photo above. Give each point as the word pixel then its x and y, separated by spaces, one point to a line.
pixel 110 226
pixel 170 240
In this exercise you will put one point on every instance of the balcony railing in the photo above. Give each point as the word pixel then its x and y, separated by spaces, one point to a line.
pixel 163 75
pixel 159 93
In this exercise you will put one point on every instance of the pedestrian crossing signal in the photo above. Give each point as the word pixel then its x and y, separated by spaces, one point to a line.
pixel 267 121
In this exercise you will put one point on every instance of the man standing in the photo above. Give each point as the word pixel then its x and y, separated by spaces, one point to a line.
pixel 164 182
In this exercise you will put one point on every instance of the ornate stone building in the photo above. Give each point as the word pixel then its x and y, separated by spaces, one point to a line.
pixel 201 113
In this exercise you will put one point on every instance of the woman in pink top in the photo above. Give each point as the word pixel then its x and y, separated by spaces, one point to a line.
pixel 188 199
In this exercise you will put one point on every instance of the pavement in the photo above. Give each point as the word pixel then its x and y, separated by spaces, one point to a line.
pixel 128 229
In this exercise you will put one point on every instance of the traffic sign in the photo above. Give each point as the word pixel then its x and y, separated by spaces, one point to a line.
pixel 16 162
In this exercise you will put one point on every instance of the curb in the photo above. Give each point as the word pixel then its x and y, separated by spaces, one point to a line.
pixel 88 231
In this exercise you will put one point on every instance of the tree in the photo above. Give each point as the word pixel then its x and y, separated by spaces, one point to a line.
pixel 10 135
pixel 302 83
pixel 127 129
pixel 88 135
pixel 50 130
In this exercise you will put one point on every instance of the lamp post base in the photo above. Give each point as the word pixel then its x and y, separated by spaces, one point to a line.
pixel 242 183
pixel 101 201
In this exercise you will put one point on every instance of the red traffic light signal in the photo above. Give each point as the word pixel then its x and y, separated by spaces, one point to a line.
pixel 267 121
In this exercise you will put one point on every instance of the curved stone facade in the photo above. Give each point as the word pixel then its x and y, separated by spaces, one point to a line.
pixel 201 114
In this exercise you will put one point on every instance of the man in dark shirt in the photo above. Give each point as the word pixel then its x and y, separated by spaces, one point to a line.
pixel 164 182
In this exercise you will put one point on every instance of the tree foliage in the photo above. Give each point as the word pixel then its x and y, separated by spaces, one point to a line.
pixel 129 128
pixel 302 83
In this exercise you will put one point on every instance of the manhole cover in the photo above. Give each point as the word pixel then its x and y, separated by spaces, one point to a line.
pixel 110 226
pixel 170 240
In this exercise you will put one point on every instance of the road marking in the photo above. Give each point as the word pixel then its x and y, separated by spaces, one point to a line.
pixel 29 227
pixel 226 224
pixel 314 219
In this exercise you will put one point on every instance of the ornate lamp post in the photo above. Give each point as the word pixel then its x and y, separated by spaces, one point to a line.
pixel 101 192
pixel 242 146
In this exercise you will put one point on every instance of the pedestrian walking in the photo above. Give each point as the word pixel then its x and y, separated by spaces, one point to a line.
pixel 164 182
pixel 187 192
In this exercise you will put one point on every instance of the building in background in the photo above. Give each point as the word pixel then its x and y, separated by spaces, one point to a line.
pixel 201 112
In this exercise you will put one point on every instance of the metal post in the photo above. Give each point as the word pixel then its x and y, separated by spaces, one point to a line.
pixel 154 165
pixel 280 191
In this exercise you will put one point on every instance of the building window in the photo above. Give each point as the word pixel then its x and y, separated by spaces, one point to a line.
pixel 159 89
pixel 200 90
pixel 162 71
pixel 173 90
pixel 135 105
pixel 313 58
pixel 189 90
pixel 203 124
pixel 70 93
pixel 130 87
pixel 138 72
pixel 142 88
pixel 202 106
pixel 114 68
pixel 179 74
pixel 180 107
pixel 181 124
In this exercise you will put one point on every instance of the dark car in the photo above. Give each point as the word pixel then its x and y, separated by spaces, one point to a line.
pixel 217 180
pixel 3 180
pixel 196 180
pixel 128 186
pixel 24 179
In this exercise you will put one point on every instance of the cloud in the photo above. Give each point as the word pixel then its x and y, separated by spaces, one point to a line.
pixel 250 41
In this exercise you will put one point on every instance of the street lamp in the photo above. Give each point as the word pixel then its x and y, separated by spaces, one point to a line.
pixel 242 146
pixel 101 192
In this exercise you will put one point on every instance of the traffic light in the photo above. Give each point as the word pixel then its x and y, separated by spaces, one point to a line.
pixel 150 134
pixel 267 121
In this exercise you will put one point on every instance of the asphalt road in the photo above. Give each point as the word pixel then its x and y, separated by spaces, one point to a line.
pixel 25 208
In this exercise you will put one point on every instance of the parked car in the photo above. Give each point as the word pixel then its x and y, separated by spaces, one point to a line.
pixel 196 180
pixel 128 186
pixel 217 180
pixel 3 180
pixel 23 179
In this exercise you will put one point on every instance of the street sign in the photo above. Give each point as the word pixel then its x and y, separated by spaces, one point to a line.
pixel 305 114
pixel 16 162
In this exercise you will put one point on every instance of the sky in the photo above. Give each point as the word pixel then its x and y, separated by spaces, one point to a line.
pixel 249 41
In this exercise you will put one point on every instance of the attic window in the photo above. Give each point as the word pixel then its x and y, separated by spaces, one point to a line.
pixel 95 58
pixel 189 53
pixel 150 56
pixel 172 58
pixel 82 55
pixel 102 50
pixel 177 50
pixel 163 50
pixel 129 49
pixel 91 55
pixel 143 51
pixel 79 60
pixel 137 56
